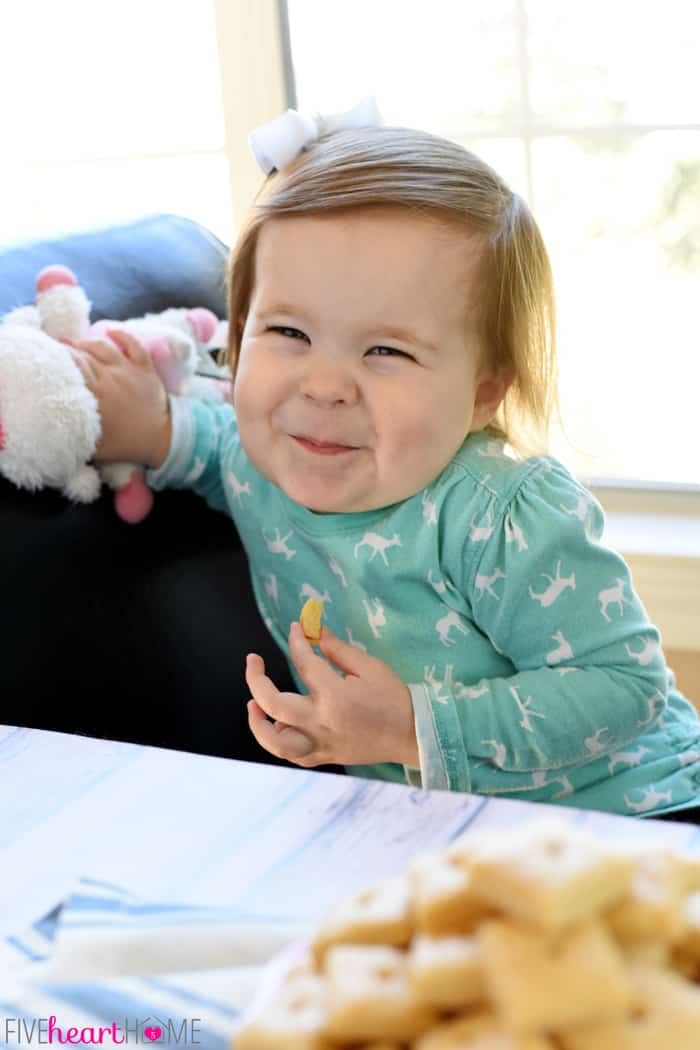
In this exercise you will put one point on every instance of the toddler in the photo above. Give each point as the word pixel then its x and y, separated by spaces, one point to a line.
pixel 392 341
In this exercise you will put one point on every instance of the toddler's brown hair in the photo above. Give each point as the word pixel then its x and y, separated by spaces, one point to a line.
pixel 386 166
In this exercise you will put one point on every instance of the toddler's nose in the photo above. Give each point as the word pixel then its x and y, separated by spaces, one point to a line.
pixel 328 384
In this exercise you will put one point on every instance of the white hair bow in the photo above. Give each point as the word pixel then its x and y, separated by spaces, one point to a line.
pixel 279 141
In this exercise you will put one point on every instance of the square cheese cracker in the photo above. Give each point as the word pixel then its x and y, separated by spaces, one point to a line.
pixel 666 1017
pixel 294 1020
pixel 652 907
pixel 549 873
pixel 443 896
pixel 378 915
pixel 544 981
pixel 370 997
pixel 482 1031
pixel 447 971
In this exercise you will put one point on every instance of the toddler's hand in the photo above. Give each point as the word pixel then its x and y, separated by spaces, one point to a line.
pixel 362 718
pixel 133 401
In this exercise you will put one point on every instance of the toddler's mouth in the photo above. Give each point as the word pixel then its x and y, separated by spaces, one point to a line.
pixel 323 448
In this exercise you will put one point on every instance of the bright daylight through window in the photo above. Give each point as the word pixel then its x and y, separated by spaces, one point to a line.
pixel 590 110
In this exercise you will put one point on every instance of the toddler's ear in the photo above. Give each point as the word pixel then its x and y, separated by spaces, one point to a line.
pixel 490 391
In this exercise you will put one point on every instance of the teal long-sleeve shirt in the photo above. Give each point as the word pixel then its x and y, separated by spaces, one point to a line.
pixel 533 668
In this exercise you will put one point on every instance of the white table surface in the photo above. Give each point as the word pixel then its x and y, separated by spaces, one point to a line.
pixel 174 826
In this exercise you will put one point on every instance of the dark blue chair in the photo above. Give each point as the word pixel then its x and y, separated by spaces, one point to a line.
pixel 135 633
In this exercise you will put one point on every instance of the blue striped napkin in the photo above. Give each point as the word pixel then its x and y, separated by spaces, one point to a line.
pixel 123 970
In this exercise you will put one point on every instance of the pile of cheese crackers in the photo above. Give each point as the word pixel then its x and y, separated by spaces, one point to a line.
pixel 539 937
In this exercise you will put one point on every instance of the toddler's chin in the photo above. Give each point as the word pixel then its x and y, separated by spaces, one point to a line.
pixel 317 503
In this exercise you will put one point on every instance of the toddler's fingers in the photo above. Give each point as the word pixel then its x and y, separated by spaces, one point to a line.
pixel 102 352
pixel 129 345
pixel 286 742
pixel 313 669
pixel 78 359
pixel 83 365
pixel 264 690
pixel 262 730
pixel 258 724
pixel 296 745
pixel 289 708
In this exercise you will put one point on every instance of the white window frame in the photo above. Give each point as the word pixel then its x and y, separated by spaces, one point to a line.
pixel 258 84
pixel 254 60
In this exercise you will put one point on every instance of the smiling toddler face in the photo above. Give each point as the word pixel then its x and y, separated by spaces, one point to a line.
pixel 358 376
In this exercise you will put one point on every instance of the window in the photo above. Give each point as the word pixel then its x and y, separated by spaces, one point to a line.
pixel 110 111
pixel 590 111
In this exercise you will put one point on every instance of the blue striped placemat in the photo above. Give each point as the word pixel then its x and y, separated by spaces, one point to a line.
pixel 121 970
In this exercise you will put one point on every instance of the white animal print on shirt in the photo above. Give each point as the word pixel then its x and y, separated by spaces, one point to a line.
pixel 270 585
pixel 279 544
pixel 563 650
pixel 581 509
pixel 457 688
pixel 494 449
pixel 515 533
pixel 688 757
pixel 307 591
pixel 351 641
pixel 439 586
pixel 375 618
pixel 428 509
pixel 525 710
pixel 650 800
pixel 378 544
pixel 655 704
pixel 594 745
pixel 613 596
pixel 450 619
pixel 472 692
pixel 650 649
pixel 429 677
pixel 478 533
pixel 628 758
pixel 499 752
pixel 236 487
pixel 484 584
pixel 196 472
pixel 338 571
pixel 557 584
pixel 539 780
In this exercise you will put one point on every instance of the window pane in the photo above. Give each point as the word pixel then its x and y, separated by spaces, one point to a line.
pixel 506 156
pixel 88 78
pixel 614 60
pixel 623 230
pixel 446 66
pixel 81 195
pixel 618 207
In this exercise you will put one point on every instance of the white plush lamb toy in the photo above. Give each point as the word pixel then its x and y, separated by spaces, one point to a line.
pixel 49 420
pixel 176 339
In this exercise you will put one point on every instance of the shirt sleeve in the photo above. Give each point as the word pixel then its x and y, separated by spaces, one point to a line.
pixel 202 433
pixel 588 671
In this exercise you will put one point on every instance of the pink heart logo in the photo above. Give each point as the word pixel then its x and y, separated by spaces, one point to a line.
pixel 153 1033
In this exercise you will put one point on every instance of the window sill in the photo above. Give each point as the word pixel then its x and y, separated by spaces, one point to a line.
pixel 663 553
pixel 653 535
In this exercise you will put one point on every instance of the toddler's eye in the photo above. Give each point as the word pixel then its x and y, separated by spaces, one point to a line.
pixel 285 330
pixel 389 351
pixel 380 351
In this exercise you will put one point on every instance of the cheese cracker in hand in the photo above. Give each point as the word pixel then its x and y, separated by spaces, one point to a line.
pixel 310 619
